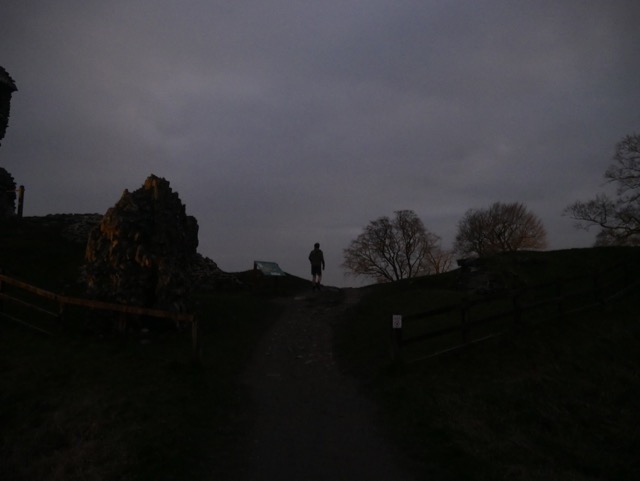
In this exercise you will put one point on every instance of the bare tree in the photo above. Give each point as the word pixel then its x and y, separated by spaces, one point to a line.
pixel 500 228
pixel 618 218
pixel 392 249
pixel 440 260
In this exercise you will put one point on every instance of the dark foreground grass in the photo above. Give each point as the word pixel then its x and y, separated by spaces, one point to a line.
pixel 86 404
pixel 77 407
pixel 548 400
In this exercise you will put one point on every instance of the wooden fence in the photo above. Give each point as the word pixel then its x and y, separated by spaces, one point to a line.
pixel 61 302
pixel 460 321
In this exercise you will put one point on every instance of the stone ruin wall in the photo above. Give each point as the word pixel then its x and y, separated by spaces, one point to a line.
pixel 7 195
pixel 7 184
pixel 7 87
pixel 204 273
pixel 144 250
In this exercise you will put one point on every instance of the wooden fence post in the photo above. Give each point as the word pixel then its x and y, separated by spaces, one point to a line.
pixel 61 307
pixel 464 313
pixel 122 323
pixel 396 338
pixel 517 310
pixel 196 341
pixel 627 274
pixel 560 293
pixel 1 301
pixel 598 289
pixel 20 201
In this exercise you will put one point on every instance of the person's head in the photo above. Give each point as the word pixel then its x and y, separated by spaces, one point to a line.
pixel 316 245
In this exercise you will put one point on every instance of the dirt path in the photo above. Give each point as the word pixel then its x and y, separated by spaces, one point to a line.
pixel 312 423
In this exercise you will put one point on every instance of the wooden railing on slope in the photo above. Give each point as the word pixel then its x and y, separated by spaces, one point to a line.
pixel 64 301
pixel 460 314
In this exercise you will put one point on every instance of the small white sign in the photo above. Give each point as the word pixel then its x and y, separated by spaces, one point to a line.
pixel 397 321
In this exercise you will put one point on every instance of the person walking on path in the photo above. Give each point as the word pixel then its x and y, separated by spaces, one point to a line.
pixel 316 257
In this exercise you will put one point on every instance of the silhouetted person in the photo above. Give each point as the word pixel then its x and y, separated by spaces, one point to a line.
pixel 316 257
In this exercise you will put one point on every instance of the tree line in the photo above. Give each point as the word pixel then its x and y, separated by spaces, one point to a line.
pixel 391 249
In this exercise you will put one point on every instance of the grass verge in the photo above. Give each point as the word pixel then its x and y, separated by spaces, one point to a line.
pixel 77 407
pixel 548 400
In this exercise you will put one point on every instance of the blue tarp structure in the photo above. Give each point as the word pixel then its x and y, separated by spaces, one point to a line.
pixel 268 268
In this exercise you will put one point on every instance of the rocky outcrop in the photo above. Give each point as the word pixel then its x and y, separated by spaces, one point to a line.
pixel 144 249
pixel 207 276
pixel 7 195
pixel 204 273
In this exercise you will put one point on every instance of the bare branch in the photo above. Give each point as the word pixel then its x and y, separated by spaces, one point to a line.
pixel 619 218
pixel 499 228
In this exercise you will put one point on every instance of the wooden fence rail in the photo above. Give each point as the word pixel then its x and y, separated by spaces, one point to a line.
pixel 64 301
pixel 515 305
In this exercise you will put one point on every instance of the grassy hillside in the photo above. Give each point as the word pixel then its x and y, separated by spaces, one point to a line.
pixel 550 399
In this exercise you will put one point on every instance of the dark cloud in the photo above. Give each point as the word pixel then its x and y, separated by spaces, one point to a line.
pixel 284 123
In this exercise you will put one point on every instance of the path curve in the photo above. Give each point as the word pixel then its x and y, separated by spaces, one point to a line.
pixel 312 423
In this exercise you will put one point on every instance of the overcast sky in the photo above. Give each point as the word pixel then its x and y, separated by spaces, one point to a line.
pixel 281 123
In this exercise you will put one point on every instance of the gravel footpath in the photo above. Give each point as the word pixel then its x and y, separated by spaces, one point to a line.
pixel 312 423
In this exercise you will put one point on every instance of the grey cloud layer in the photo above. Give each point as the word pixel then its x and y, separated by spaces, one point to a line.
pixel 281 123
